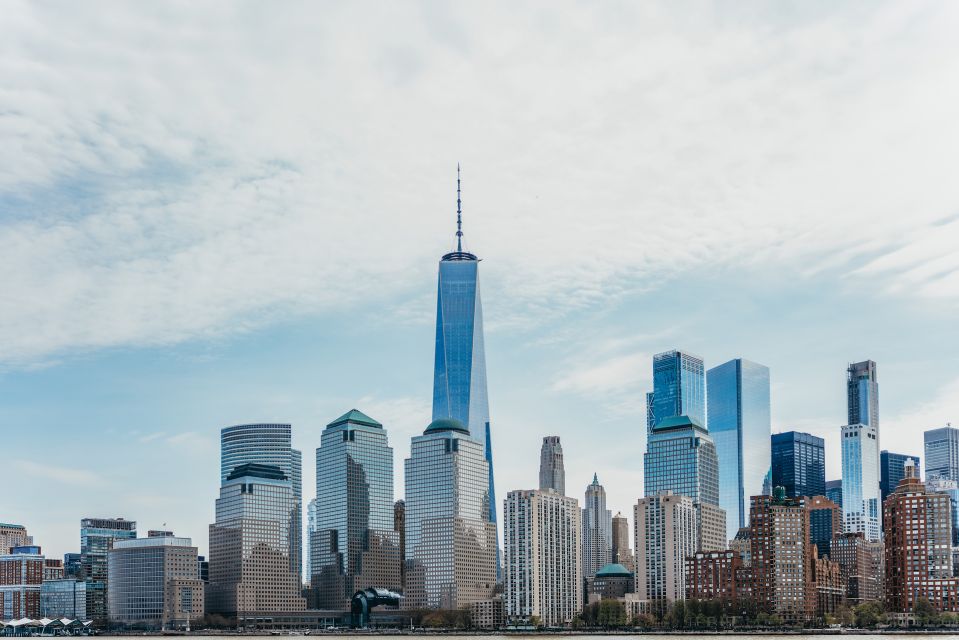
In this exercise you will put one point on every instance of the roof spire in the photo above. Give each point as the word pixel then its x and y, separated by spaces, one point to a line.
pixel 459 213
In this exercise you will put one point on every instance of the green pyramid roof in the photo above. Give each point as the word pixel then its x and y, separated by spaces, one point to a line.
pixel 677 421
pixel 614 569
pixel 355 417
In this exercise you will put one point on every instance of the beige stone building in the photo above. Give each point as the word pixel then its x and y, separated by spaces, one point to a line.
pixel 666 534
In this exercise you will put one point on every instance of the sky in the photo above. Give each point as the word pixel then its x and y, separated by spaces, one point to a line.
pixel 228 212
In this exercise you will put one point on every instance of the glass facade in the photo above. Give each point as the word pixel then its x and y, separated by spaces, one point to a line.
pixel 799 463
pixel 65 598
pixel 459 374
pixel 834 491
pixel 951 489
pixel 739 424
pixel 861 504
pixel 269 444
pixel 681 457
pixel 450 540
pixel 597 530
pixel 892 470
pixel 356 545
pixel 862 394
pixel 679 388
pixel 942 453
pixel 97 536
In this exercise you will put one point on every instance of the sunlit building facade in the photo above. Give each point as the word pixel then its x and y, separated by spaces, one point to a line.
pixel 861 502
pixel 679 388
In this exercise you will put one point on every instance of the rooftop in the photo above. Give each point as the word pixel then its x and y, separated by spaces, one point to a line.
pixel 614 570
pixel 446 424
pixel 256 470
pixel 355 416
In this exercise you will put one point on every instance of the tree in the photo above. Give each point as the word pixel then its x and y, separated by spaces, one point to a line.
pixel 925 613
pixel 611 613
pixel 869 614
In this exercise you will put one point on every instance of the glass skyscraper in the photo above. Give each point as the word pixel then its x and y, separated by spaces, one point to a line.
pixel 97 536
pixel 799 464
pixel 892 469
pixel 834 491
pixel 459 373
pixel 942 453
pixel 679 388
pixel 739 423
pixel 861 501
pixel 862 394
pixel 269 444
pixel 354 545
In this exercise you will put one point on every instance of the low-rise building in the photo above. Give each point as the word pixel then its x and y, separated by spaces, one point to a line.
pixel 610 582
pixel 488 614
pixel 65 598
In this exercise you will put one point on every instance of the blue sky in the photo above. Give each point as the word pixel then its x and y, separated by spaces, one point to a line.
pixel 233 212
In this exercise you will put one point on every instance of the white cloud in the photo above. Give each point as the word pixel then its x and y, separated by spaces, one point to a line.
pixel 178 173
pixel 69 476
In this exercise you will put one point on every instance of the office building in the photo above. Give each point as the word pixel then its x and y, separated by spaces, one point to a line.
pixel 597 529
pixel 13 535
pixel 665 535
pixel 459 373
pixel 203 569
pixel 861 566
pixel 450 539
pixel 66 598
pixel 97 536
pixel 834 491
pixel 891 471
pixel 154 582
pixel 799 464
pixel 825 521
pixel 679 388
pixel 542 550
pixel 551 472
pixel 861 503
pixel 250 569
pixel 950 488
pixel 21 574
pixel 862 394
pixel 918 547
pixel 739 424
pixel 268 444
pixel 941 448
pixel 354 545
pixel 72 566
pixel 622 554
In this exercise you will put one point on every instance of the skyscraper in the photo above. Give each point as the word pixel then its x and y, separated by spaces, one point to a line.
pixel 310 529
pixel 551 472
pixel 597 529
pixel 679 388
pixel 622 554
pixel 250 568
pixel 799 464
pixel 739 423
pixel 269 444
pixel 861 504
pixel 97 536
pixel 459 373
pixel 862 394
pixel 834 491
pixel 13 535
pixel 892 470
pixel 942 452
pixel 450 540
pixel 542 571
pixel 354 546
pixel 665 528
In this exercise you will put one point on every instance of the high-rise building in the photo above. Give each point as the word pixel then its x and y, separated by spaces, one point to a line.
pixel 399 526
pixel 942 452
pixel 715 575
pixel 739 423
pixel 72 566
pixel 154 582
pixel 354 546
pixel 551 472
pixel 834 491
pixel 681 457
pixel 13 535
pixel 597 529
pixel 459 373
pixel 97 536
pixel 21 575
pixel 542 575
pixel 679 388
pixel 450 539
pixel 66 598
pixel 862 394
pixel 825 521
pixel 665 535
pixel 269 444
pixel 892 470
pixel 918 547
pixel 861 503
pixel 861 567
pixel 310 530
pixel 250 568
pixel 799 464
pixel 622 554
pixel 937 484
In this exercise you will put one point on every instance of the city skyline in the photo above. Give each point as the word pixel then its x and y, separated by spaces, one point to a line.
pixel 266 261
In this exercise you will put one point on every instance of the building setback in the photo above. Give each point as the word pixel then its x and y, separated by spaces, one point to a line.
pixel 543 548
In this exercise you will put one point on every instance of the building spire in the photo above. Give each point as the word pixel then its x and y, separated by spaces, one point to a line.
pixel 459 213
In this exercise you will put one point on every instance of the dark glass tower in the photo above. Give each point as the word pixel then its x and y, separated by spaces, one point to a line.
pixel 459 374
pixel 799 464
pixel 862 394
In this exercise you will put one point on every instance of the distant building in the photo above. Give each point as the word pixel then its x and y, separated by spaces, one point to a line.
pixel 310 530
pixel 72 566
pixel 13 535
pixel 552 474
pixel 399 526
pixel 203 568
pixel 543 549
pixel 21 574
pixel 861 567
pixel 622 554
pixel 597 529
pixel 862 394
pixel 97 536
pixel 950 488
pixel 739 423
pixel 825 521
pixel 611 582
pixel 941 448
pixel 891 471
pixel 154 581
pixel 52 569
pixel 834 491
pixel 66 598
pixel 665 535
pixel 488 614
pixel 799 464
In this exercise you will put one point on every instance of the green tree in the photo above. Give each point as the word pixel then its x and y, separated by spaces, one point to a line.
pixel 611 614
pixel 869 614
pixel 926 614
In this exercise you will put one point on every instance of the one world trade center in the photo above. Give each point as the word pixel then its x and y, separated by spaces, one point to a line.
pixel 459 373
